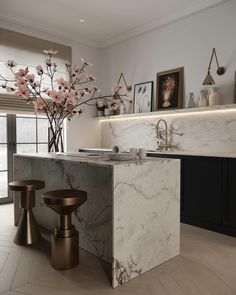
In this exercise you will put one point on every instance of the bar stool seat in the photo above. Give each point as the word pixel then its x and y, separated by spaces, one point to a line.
pixel 65 238
pixel 28 232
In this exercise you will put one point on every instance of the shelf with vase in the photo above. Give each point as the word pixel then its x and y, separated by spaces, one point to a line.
pixel 184 111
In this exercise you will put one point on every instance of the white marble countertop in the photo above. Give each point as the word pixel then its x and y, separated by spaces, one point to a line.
pixel 89 158
pixel 170 152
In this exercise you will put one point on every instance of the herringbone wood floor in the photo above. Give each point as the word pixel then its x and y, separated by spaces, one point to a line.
pixel 206 266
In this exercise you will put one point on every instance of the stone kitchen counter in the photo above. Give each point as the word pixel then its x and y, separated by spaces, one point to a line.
pixel 174 152
pixel 132 216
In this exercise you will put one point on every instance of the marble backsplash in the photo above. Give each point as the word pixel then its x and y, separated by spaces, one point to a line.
pixel 199 132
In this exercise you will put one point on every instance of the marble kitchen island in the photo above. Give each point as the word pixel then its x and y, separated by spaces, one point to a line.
pixel 132 216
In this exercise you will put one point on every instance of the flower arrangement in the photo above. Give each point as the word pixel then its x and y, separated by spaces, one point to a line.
pixel 63 99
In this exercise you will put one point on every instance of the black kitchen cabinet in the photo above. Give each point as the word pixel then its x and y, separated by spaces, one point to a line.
pixel 208 192
pixel 229 193
pixel 201 189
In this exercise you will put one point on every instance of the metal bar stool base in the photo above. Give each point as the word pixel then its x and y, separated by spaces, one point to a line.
pixel 27 232
pixel 65 251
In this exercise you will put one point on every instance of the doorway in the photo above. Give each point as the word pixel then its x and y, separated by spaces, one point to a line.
pixel 19 134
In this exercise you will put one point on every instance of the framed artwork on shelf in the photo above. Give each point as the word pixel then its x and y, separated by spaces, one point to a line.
pixel 169 92
pixel 143 94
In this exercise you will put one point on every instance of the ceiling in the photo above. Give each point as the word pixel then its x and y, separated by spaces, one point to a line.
pixel 106 21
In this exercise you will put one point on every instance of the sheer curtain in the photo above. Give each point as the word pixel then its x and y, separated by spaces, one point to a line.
pixel 27 50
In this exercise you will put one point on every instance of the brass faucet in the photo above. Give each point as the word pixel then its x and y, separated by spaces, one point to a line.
pixel 158 132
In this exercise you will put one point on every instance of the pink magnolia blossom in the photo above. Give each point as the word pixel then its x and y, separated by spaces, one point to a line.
pixel 11 63
pixel 63 83
pixel 39 105
pixel 99 104
pixel 56 96
pixel 48 62
pixel 50 51
pixel 22 72
pixel 10 89
pixel 86 63
pixel 22 91
pixel 67 63
pixel 87 90
pixel 30 78
pixel 39 70
pixel 81 76
pixel 21 82
pixel 91 78
pixel 71 98
pixel 95 89
pixel 34 85
pixel 76 68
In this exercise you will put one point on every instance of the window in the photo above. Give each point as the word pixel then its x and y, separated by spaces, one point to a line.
pixel 31 134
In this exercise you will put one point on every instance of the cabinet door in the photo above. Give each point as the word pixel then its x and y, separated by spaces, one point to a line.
pixel 229 193
pixel 201 189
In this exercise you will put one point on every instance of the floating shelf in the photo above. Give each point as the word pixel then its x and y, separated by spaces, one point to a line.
pixel 211 109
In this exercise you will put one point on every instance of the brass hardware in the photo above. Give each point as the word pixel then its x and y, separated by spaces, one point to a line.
pixel 166 135
pixel 65 238
pixel 220 70
pixel 28 232
pixel 128 87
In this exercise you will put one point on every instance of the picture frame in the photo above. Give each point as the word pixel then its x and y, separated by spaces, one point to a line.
pixel 143 97
pixel 169 89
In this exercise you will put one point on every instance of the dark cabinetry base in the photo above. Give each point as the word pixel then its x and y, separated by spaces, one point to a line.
pixel 208 192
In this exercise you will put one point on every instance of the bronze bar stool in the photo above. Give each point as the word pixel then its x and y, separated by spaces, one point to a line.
pixel 65 238
pixel 28 232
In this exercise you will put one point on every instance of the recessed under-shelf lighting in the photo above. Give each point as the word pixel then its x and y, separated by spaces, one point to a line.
pixel 82 20
pixel 172 113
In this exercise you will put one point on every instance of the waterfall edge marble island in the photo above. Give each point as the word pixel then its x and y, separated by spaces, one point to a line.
pixel 132 216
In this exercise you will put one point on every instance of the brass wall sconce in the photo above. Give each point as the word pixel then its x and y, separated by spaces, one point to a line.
pixel 220 70
pixel 128 87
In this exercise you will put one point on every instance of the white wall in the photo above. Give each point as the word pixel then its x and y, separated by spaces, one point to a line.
pixel 187 42
pixel 84 131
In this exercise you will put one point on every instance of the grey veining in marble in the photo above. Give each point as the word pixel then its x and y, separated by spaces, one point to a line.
pixel 132 216
pixel 196 132
pixel 146 218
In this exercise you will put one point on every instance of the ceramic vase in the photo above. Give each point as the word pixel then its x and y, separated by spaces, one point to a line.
pixel 190 100
pixel 214 97
pixel 203 99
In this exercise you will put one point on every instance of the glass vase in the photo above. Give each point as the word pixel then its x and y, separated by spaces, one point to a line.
pixel 55 140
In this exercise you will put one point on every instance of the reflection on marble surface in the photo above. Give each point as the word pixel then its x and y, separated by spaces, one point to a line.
pixel 204 132
pixel 132 216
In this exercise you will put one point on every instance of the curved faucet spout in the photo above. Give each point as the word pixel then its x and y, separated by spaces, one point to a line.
pixel 158 132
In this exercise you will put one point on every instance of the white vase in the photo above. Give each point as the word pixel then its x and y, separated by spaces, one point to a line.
pixel 214 97
pixel 190 100
pixel 203 99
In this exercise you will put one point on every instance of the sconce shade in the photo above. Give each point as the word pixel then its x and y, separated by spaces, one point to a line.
pixel 220 70
pixel 208 80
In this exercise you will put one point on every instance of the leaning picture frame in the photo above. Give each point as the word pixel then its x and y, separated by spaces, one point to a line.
pixel 143 97
pixel 169 89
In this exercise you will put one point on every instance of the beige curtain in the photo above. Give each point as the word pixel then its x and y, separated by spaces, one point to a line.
pixel 26 50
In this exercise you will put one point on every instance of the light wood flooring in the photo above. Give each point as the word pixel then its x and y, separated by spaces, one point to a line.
pixel 206 266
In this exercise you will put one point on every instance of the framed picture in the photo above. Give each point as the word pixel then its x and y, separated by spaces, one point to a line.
pixel 169 94
pixel 143 93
